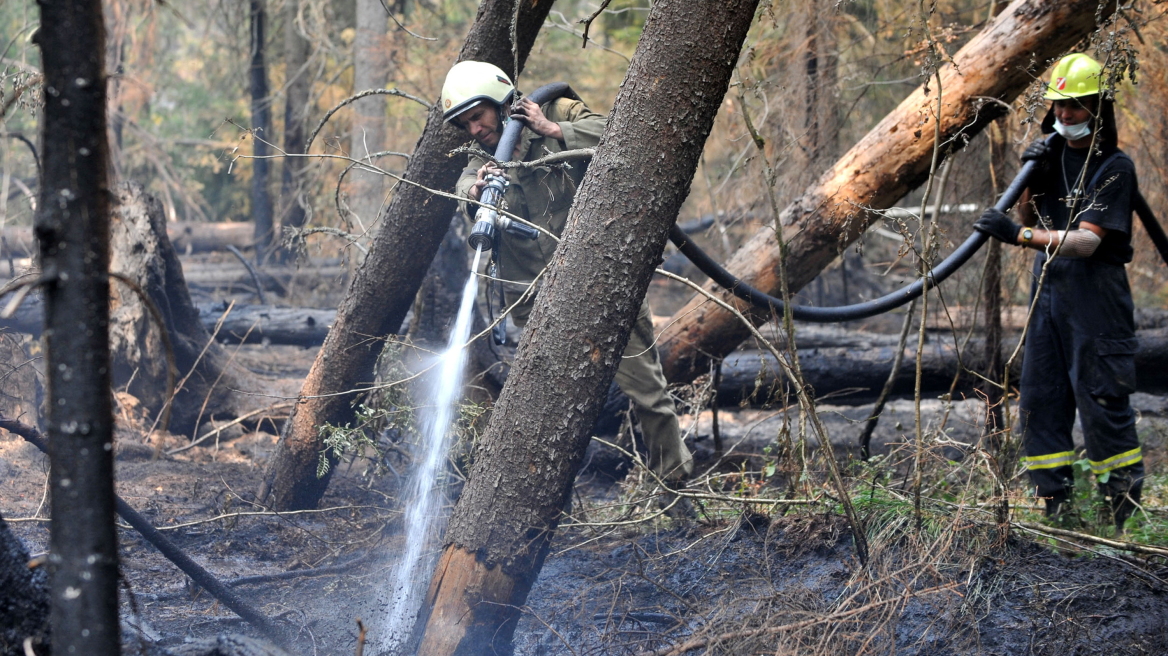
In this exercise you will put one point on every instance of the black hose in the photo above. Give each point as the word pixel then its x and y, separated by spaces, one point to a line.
pixel 1151 225
pixel 871 308
pixel 890 301
pixel 505 151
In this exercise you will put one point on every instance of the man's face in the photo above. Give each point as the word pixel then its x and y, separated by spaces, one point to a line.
pixel 1073 111
pixel 482 122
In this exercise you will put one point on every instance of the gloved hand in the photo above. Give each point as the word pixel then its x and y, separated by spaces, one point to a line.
pixel 996 224
pixel 1036 152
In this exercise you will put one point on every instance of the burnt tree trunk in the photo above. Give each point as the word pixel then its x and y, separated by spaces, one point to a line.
pixel 890 161
pixel 536 439
pixel 384 287
pixel 142 253
pixel 371 68
pixel 24 598
pixel 261 125
pixel 72 227
pixel 296 107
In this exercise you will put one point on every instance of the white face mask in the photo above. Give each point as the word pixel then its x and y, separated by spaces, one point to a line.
pixel 1073 132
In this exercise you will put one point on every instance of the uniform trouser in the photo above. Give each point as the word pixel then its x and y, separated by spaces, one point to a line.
pixel 640 377
pixel 1080 354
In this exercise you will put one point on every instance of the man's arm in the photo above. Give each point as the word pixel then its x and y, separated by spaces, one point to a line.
pixel 470 184
pixel 582 127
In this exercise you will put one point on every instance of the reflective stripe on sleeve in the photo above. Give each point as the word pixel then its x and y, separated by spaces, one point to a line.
pixel 1125 459
pixel 1050 460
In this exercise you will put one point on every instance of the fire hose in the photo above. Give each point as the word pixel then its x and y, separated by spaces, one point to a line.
pixel 902 296
pixel 488 223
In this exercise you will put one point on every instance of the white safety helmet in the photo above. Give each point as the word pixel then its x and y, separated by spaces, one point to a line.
pixel 470 82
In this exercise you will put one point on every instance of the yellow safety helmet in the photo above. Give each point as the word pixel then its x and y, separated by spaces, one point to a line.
pixel 470 82
pixel 1075 76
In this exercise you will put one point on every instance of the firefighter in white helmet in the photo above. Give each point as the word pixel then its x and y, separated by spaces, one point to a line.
pixel 480 98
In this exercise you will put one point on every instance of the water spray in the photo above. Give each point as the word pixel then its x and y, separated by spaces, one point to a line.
pixel 424 514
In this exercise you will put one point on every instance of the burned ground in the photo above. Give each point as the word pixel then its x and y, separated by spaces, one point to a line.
pixel 739 580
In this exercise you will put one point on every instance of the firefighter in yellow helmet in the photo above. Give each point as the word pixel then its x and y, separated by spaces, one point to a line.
pixel 480 98
pixel 1081 345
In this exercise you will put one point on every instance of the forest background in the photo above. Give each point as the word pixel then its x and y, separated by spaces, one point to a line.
pixel 815 77
pixel 199 93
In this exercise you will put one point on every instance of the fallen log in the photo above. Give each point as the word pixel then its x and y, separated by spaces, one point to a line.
pixel 853 375
pixel 246 324
pixel 889 162
pixel 186 236
pixel 251 324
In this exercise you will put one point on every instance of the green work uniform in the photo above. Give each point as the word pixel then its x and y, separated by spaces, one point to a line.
pixel 543 196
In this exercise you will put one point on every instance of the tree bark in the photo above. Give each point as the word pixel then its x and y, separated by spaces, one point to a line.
pixel 539 431
pixel 72 226
pixel 371 69
pixel 261 125
pixel 142 253
pixel 383 289
pixel 296 108
pixel 885 165
pixel 24 598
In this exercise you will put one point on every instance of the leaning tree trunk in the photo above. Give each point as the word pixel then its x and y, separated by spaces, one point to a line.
pixel 890 161
pixel 383 290
pixel 535 442
pixel 72 228
pixel 24 598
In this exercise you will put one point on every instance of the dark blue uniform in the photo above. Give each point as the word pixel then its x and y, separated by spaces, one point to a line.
pixel 1081 345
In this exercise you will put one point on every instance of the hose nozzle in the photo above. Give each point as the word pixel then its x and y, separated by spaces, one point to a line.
pixel 484 234
pixel 482 237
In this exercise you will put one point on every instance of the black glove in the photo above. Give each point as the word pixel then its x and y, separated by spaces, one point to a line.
pixel 1036 152
pixel 996 224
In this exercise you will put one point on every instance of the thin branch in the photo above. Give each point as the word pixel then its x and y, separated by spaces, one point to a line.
pixel 555 158
pixel 355 97
pixel 587 22
pixel 255 276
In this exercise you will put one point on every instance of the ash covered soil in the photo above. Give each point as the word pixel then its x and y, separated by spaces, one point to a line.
pixel 757 581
